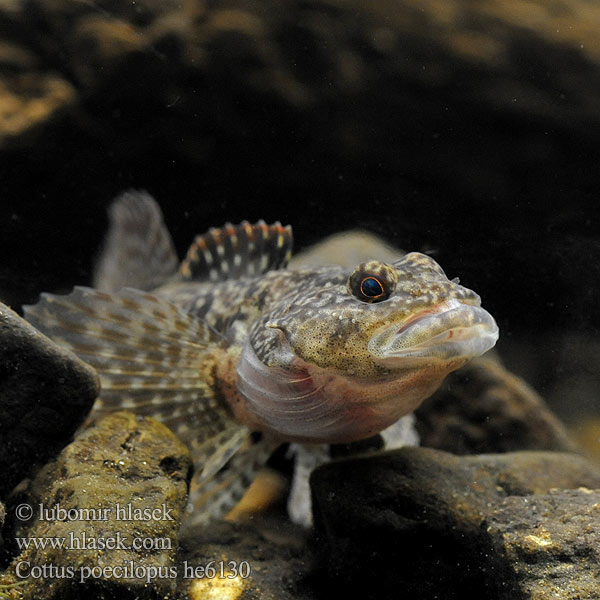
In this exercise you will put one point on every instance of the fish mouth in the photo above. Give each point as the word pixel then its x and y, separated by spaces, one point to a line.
pixel 451 330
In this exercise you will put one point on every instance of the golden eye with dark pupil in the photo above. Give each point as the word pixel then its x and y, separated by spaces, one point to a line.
pixel 371 287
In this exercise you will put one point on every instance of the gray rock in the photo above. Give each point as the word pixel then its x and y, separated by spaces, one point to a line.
pixel 121 465
pixel 347 248
pixel 545 547
pixel 483 408
pixel 45 394
pixel 411 519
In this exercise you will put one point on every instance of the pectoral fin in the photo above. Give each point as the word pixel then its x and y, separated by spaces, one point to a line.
pixel 153 359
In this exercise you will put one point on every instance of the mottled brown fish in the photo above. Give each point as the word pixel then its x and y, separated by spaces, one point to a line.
pixel 232 343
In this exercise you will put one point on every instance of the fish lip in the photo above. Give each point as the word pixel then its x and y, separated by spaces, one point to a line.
pixel 451 330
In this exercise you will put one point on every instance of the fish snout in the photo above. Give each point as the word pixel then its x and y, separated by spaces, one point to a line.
pixel 451 330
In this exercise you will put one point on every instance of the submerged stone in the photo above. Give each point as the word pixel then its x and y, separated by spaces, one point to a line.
pixel 545 547
pixel 411 519
pixel 483 408
pixel 116 497
pixel 45 394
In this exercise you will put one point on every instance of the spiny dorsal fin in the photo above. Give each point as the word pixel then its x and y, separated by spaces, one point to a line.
pixel 152 358
pixel 138 250
pixel 236 251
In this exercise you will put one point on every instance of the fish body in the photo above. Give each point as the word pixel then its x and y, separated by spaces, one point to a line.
pixel 232 343
pixel 315 361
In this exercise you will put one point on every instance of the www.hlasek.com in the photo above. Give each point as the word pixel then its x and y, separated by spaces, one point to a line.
pixel 83 541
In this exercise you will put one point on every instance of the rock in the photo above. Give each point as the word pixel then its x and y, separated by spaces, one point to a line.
pixel 586 430
pixel 45 394
pixel 544 547
pixel 410 519
pixel 347 248
pixel 120 467
pixel 326 53
pixel 31 94
pixel 483 408
pixel 29 100
pixel 267 563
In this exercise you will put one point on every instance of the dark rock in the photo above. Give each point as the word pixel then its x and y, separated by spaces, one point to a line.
pixel 411 519
pixel 45 394
pixel 114 466
pixel 483 408
pixel 544 547
pixel 274 556
pixel 308 56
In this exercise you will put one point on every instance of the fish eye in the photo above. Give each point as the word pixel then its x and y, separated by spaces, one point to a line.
pixel 372 281
pixel 371 287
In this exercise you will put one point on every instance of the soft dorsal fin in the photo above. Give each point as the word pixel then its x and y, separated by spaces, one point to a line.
pixel 236 251
pixel 138 251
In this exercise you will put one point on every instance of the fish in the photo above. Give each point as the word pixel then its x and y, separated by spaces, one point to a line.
pixel 238 354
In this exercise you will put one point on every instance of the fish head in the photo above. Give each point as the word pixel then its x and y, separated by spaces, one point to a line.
pixel 372 343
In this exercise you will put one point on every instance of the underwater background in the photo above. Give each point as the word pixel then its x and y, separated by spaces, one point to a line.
pixel 470 131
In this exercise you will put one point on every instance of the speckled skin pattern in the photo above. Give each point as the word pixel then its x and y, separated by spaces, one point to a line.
pixel 300 344
pixel 320 315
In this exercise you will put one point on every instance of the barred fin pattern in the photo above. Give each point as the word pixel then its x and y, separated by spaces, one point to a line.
pixel 138 250
pixel 236 251
pixel 213 498
pixel 152 358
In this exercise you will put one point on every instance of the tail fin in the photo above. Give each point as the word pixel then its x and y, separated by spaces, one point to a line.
pixel 138 251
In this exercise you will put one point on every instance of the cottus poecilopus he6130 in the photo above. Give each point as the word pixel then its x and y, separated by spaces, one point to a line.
pixel 237 354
